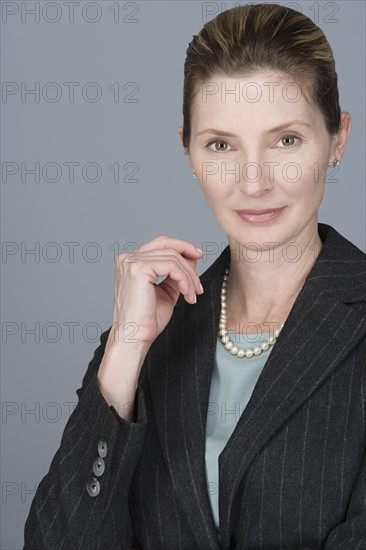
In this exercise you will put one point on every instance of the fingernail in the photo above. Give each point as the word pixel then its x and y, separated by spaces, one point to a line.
pixel 201 287
pixel 199 250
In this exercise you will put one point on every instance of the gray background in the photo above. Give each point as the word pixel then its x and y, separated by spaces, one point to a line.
pixel 145 45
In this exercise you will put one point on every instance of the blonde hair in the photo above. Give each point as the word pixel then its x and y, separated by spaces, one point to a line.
pixel 253 37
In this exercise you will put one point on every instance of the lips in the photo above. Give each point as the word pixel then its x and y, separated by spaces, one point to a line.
pixel 258 212
pixel 260 215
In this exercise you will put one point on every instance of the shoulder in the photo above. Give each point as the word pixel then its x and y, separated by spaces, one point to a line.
pixel 340 268
pixel 335 242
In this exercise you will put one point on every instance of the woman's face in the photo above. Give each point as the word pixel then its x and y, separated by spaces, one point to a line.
pixel 244 161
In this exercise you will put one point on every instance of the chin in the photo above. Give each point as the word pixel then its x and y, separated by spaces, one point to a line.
pixel 258 234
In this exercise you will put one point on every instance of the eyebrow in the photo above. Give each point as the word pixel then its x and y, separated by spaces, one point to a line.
pixel 271 131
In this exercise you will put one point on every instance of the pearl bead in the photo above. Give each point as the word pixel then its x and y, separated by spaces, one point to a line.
pixel 225 338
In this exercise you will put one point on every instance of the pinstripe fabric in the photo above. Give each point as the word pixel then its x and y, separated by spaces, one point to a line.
pixel 293 473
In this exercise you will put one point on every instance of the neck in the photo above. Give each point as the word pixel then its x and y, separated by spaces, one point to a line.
pixel 262 288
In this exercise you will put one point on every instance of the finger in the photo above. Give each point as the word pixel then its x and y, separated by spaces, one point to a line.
pixel 166 255
pixel 184 247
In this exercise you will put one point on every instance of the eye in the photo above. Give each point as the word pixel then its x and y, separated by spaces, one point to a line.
pixel 220 149
pixel 288 141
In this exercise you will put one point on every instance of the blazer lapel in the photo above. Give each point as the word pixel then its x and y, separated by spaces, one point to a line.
pixel 293 371
pixel 311 345
pixel 306 352
pixel 183 358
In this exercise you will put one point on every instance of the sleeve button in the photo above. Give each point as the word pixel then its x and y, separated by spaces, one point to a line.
pixel 98 466
pixel 93 487
pixel 102 448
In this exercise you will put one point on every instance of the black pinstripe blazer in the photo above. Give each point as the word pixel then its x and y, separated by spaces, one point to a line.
pixel 293 473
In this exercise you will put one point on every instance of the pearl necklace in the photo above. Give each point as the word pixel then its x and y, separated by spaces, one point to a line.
pixel 225 338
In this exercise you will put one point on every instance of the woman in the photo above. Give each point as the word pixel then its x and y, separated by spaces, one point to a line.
pixel 253 436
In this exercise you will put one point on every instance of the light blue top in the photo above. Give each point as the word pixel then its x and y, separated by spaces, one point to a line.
pixel 232 384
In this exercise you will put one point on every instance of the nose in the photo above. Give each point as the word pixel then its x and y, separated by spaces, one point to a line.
pixel 256 177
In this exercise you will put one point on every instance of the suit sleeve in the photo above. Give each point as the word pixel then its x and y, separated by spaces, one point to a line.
pixel 351 533
pixel 82 502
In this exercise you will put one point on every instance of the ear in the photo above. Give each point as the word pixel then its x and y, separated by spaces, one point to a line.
pixel 186 151
pixel 180 135
pixel 340 139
